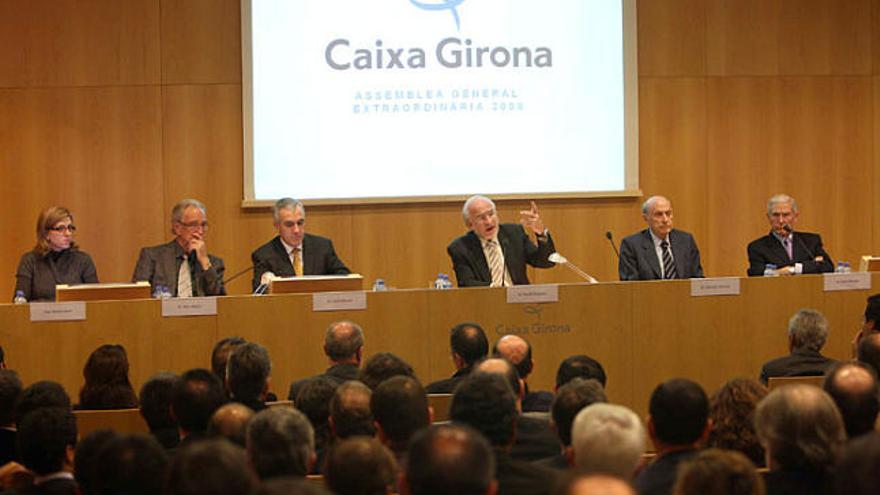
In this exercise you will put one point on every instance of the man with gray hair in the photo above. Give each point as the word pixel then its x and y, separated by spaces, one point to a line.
pixel 495 254
pixel 807 333
pixel 280 442
pixel 344 347
pixel 788 251
pixel 607 438
pixel 293 252
pixel 183 266
pixel 659 252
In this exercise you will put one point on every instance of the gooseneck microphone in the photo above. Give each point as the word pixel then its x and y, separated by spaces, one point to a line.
pixel 561 260
pixel 610 238
pixel 788 230
pixel 238 274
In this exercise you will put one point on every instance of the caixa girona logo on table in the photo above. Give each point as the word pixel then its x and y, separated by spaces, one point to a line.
pixel 441 5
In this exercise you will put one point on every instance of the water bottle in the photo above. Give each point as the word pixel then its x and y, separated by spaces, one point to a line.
pixel 447 284
pixel 19 297
pixel 161 292
pixel 846 267
pixel 441 281
pixel 770 270
pixel 379 285
pixel 841 268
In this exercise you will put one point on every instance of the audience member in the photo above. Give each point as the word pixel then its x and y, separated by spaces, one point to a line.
pixel 155 405
pixel 608 439
pixel 400 408
pixel 468 344
pixel 718 472
pixel 280 442
pixel 194 399
pixel 732 411
pixel 486 402
pixel 350 413
pixel 291 486
pixel 858 469
pixel 383 366
pixel 106 380
pixel 872 321
pixel 10 390
pixel 230 422
pixel 46 442
pixel 449 459
pixel 678 421
pixel 807 333
pixel 360 466
pixel 580 366
pixel 247 375
pixel 853 386
pixel 802 432
pixel 44 393
pixel 210 467
pixel 868 351
pixel 570 399
pixel 222 349
pixel 130 464
pixel 344 347
pixel 519 352
pixel 593 484
pixel 86 459
pixel 314 401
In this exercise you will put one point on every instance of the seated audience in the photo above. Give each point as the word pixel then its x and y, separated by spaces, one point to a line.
pixel 248 372
pixel 350 413
pixel 314 401
pixel 868 351
pixel 46 442
pixel 400 408
pixel 468 344
pixel 230 422
pixel 732 411
pixel 292 486
pixel 210 467
pixel 360 466
pixel 570 399
pixel 194 399
pixel 608 439
pixel 593 484
pixel 106 380
pixel 449 459
pixel 853 386
pixel 871 321
pixel 344 347
pixel 86 460
pixel 580 366
pixel 678 422
pixel 220 354
pixel 155 400
pixel 37 395
pixel 519 352
pixel 383 366
pixel 130 464
pixel 10 389
pixel 802 432
pixel 807 333
pixel 280 442
pixel 718 472
pixel 858 469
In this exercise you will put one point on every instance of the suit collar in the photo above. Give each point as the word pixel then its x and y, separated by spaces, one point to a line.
pixel 472 241
pixel 651 253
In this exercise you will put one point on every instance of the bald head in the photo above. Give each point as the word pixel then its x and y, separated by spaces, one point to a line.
pixel 344 342
pixel 516 350
pixel 230 421
pixel 853 386
pixel 350 413
pixel 597 484
pixel 503 368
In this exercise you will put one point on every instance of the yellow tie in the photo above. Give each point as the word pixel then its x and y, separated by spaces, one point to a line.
pixel 297 262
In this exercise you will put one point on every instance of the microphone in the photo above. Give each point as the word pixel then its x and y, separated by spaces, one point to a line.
pixel 611 241
pixel 788 230
pixel 265 280
pixel 238 274
pixel 561 260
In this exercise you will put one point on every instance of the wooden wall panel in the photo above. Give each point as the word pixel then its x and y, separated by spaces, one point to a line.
pixel 672 37
pixel 201 41
pixel 742 36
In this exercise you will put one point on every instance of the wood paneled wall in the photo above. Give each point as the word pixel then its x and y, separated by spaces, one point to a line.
pixel 118 109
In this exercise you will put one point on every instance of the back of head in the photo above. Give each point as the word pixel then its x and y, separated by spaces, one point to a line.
pixel 516 350
pixel 568 402
pixel 872 310
pixel 608 438
pixel 130 464
pixel 679 409
pixel 468 341
pixel 360 466
pixel 732 411
pixel 291 486
pixel 280 442
pixel 44 435
pixel 40 394
pixel 10 390
pixel 87 460
pixel 858 469
pixel 485 402
pixel 210 467
pixel 342 341
pixel 247 372
pixel 400 406
pixel 449 459
pixel 808 330
pixel 800 427
pixel 350 410
pixel 577 483
pixel 195 397
pixel 106 380
pixel 580 366
pixel 230 422
pixel 383 366
pixel 502 368
pixel 719 472
pixel 853 386
pixel 155 401
pixel 314 401
pixel 220 354
pixel 869 351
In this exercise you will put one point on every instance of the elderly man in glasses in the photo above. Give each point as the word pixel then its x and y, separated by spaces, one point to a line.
pixel 183 266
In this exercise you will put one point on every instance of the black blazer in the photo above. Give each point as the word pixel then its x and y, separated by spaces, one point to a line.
pixel 160 265
pixel 319 258
pixel 805 249
pixel 638 258
pixel 471 268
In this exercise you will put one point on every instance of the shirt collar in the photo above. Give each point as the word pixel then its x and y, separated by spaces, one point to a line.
pixel 288 247
pixel 781 238
pixel 658 240
pixel 484 242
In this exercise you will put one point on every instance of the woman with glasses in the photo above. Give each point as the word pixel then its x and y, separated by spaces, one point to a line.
pixel 56 259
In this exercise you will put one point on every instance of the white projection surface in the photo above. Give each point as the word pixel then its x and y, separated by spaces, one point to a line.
pixel 394 99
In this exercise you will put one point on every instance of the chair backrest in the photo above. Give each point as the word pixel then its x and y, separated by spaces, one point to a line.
pixel 440 403
pixel 280 403
pixel 781 381
pixel 120 420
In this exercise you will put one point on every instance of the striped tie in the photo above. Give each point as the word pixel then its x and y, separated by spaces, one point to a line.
pixel 669 271
pixel 184 279
pixel 496 267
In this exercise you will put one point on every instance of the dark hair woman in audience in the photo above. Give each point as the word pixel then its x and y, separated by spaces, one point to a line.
pixel 56 259
pixel 107 385
pixel 732 411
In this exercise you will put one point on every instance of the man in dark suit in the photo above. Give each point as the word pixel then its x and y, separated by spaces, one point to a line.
pixel 659 252
pixel 468 345
pixel 791 252
pixel 183 265
pixel 494 254
pixel 344 348
pixel 807 333
pixel 293 252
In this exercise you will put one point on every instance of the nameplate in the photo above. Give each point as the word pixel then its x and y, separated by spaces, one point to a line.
pixel 61 311
pixel 189 306
pixel 519 294
pixel 339 301
pixel 722 286
pixel 847 281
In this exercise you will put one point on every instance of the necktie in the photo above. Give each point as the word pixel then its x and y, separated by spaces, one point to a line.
pixel 296 254
pixel 669 271
pixel 184 279
pixel 787 243
pixel 496 267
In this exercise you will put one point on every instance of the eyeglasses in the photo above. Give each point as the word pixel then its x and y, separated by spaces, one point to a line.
pixel 194 225
pixel 61 228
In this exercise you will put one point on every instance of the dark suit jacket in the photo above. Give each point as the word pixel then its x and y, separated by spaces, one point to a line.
pixel 658 478
pixel 160 264
pixel 319 258
pixel 338 373
pixel 638 258
pixel 798 363
pixel 535 440
pixel 517 477
pixel 447 385
pixel 37 276
pixel 471 268
pixel 785 482
pixel 805 248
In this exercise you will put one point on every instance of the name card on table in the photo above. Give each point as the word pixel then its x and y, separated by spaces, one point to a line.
pixel 189 306
pixel 519 294
pixel 722 286
pixel 847 281
pixel 339 301
pixel 63 311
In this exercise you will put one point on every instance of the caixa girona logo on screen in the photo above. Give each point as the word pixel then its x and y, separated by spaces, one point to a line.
pixel 441 5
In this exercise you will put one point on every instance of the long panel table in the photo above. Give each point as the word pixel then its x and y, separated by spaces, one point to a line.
pixel 642 332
